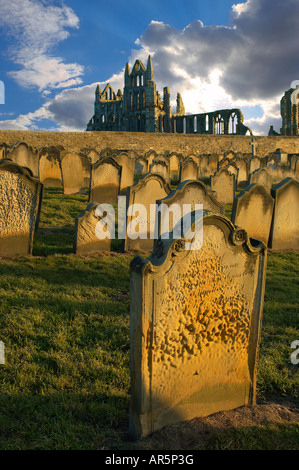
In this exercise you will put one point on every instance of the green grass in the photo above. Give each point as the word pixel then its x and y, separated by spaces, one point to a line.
pixel 64 320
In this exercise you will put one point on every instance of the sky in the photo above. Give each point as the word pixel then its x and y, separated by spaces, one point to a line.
pixel 217 54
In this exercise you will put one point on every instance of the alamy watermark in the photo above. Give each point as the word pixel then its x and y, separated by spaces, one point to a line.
pixel 136 221
pixel 295 354
pixel 2 353
pixel 2 93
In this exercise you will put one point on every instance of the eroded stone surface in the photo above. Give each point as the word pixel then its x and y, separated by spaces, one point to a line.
pixel 20 199
pixel 195 325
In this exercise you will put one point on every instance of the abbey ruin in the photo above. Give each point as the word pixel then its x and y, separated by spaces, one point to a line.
pixel 140 109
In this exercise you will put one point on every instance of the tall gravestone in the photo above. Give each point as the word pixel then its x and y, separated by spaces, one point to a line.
pixel 195 327
pixel 75 169
pixel 105 181
pixel 188 170
pixel 284 233
pixel 20 204
pixel 188 193
pixel 141 218
pixel 223 183
pixel 49 167
pixel 253 210
pixel 127 170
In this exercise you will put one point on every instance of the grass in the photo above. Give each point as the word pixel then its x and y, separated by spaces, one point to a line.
pixel 64 320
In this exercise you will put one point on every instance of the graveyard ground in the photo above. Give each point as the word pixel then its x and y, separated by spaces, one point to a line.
pixel 64 320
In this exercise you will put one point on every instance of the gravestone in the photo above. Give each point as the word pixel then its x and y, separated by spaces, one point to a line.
pixel 150 156
pixel 254 164
pixel 86 235
pixel 213 163
pixel 142 219
pixel 189 192
pixel 223 183
pixel 20 204
pixel 195 327
pixel 75 169
pixel 188 170
pixel 140 166
pixel 261 176
pixel 24 155
pixel 127 170
pixel 105 181
pixel 242 165
pixel 284 233
pixel 233 169
pixel 174 166
pixel 203 166
pixel 160 167
pixel 253 210
pixel 49 167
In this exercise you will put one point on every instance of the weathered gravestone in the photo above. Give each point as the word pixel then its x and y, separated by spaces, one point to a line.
pixel 195 327
pixel 141 220
pixel 242 165
pixel 24 155
pixel 174 166
pixel 140 166
pixel 160 167
pixel 284 233
pixel 223 183
pixel 127 170
pixel 20 203
pixel 261 176
pixel 253 210
pixel 49 167
pixel 254 164
pixel 105 181
pixel 182 200
pixel 88 237
pixel 75 170
pixel 188 170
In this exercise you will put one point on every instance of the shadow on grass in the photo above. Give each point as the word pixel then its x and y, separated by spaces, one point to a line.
pixel 62 421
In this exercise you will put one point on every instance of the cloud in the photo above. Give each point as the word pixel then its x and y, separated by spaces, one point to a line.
pixel 249 64
pixel 34 29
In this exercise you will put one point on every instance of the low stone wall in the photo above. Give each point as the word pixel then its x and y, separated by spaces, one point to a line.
pixel 142 142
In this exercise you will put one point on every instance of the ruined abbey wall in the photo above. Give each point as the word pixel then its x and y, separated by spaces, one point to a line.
pixel 142 142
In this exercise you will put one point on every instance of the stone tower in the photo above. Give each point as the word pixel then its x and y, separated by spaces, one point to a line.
pixel 289 108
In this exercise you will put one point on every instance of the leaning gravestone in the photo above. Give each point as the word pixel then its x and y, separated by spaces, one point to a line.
pixel 188 170
pixel 195 327
pixel 49 167
pixel 141 219
pixel 284 233
pixel 24 155
pixel 223 183
pixel 105 181
pixel 253 210
pixel 20 203
pixel 87 238
pixel 75 170
pixel 188 193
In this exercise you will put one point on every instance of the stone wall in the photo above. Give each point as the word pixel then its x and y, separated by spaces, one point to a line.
pixel 142 142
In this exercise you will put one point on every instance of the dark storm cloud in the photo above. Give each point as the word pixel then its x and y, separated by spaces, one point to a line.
pixel 258 53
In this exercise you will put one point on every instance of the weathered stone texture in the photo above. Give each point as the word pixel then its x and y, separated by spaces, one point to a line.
pixel 285 224
pixel 105 181
pixel 195 327
pixel 253 211
pixel 20 201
